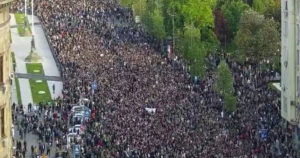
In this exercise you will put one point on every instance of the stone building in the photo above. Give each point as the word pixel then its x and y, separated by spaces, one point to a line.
pixel 5 82
pixel 290 64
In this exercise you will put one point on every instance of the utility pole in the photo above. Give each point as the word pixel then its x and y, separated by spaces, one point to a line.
pixel 25 10
pixel 32 18
pixel 173 21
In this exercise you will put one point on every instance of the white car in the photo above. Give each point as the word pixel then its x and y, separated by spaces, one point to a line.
pixel 77 109
pixel 76 129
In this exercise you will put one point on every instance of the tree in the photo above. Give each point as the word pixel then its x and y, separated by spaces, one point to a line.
pixel 188 22
pixel 139 7
pixel 154 20
pixel 224 83
pixel 221 28
pixel 193 50
pixel 260 5
pixel 233 11
pixel 127 3
pixel 173 18
pixel 257 38
pixel 269 8
pixel 199 12
pixel 158 28
pixel 230 102
pixel 224 86
pixel 274 11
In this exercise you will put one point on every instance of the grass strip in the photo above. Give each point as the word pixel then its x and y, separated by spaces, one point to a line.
pixel 20 20
pixel 13 59
pixel 36 87
pixel 35 68
pixel 18 91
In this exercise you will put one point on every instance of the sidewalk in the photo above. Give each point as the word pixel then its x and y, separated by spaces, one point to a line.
pixel 48 62
pixel 21 46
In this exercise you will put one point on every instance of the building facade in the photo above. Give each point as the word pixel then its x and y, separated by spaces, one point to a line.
pixel 6 142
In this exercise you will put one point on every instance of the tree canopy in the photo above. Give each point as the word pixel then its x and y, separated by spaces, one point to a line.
pixel 258 37
pixel 224 86
pixel 233 11
pixel 197 27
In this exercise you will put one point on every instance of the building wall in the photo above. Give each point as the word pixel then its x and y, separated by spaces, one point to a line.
pixel 290 59
pixel 5 82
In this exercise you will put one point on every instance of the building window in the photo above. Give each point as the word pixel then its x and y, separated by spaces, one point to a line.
pixel 2 122
pixel 286 5
pixel 298 86
pixel 1 69
pixel 285 104
pixel 285 28
pixel 298 57
pixel 298 7
pixel 298 35
pixel 285 56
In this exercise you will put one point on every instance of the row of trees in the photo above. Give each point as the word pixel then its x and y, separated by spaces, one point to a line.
pixel 189 23
pixel 251 29
pixel 248 30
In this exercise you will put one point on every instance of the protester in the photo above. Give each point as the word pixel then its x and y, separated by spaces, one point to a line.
pixel 146 105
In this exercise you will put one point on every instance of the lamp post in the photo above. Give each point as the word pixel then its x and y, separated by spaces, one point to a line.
pixel 25 10
pixel 173 23
pixel 33 57
pixel 32 18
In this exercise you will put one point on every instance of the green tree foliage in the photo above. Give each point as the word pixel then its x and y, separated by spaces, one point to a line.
pixel 269 8
pixel 230 102
pixel 172 11
pixel 233 11
pixel 258 38
pixel 139 7
pixel 153 19
pixel 158 28
pixel 199 12
pixel 260 5
pixel 190 22
pixel 221 28
pixel 193 50
pixel 224 83
pixel 127 3
pixel 224 86
pixel 274 10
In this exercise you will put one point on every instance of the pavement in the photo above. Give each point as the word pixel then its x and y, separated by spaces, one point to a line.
pixel 38 77
pixel 30 138
pixel 21 46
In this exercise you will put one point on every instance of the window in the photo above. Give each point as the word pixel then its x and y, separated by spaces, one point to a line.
pixel 298 86
pixel 286 5
pixel 297 60
pixel 1 69
pixel 298 35
pixel 285 104
pixel 285 56
pixel 298 7
pixel 285 28
pixel 2 122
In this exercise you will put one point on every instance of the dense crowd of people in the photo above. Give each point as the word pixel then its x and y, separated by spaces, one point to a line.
pixel 45 123
pixel 98 42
